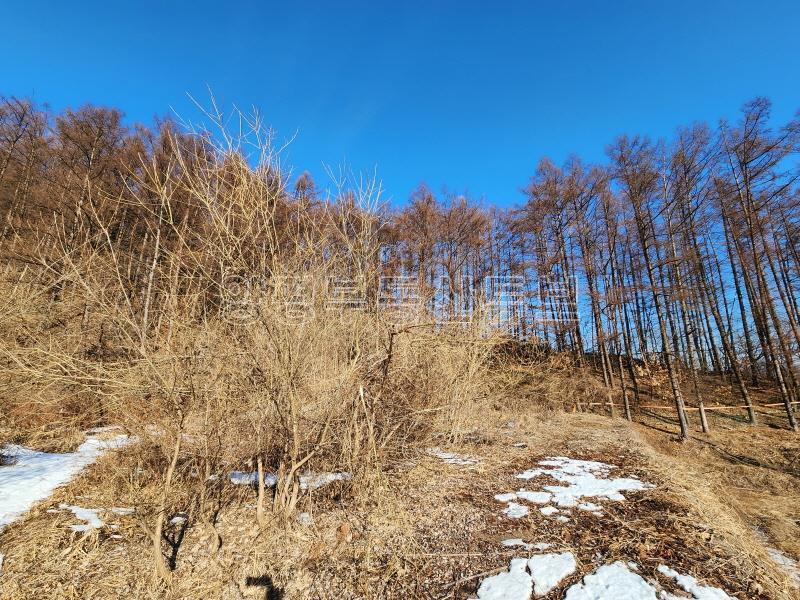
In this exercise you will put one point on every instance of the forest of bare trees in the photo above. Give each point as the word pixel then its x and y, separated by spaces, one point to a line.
pixel 681 255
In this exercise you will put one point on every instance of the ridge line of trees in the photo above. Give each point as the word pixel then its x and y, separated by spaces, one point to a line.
pixel 686 252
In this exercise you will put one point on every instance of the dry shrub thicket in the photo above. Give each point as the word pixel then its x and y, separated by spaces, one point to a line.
pixel 196 312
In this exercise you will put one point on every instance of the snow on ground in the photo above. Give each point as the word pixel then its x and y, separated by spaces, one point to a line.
pixel 583 479
pixel 615 581
pixel 451 458
pixel 514 584
pixel 313 481
pixel 32 476
pixel 789 565
pixel 251 478
pixel 539 575
pixel 88 515
pixel 515 511
pixel 547 570
pixel 534 497
pixel 520 543
pixel 309 481
pixel 123 511
pixel 691 585
pixel 179 519
pixel 580 478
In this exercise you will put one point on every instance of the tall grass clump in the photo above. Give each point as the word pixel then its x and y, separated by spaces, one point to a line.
pixel 203 311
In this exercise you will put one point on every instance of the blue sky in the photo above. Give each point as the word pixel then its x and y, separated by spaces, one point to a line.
pixel 468 95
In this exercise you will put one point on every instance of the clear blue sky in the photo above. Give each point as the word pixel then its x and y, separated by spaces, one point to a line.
pixel 458 93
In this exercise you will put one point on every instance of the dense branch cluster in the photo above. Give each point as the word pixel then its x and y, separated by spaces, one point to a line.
pixel 685 252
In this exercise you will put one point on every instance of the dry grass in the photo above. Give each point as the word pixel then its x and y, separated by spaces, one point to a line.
pixel 430 530
pixel 95 330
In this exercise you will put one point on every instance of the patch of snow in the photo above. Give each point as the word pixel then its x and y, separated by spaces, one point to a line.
pixel 535 497
pixel 515 511
pixel 123 511
pixel 305 518
pixel 89 515
pixel 251 478
pixel 178 520
pixel 531 474
pixel 514 584
pixel 584 479
pixel 562 519
pixel 517 542
pixel 34 475
pixel 548 510
pixel 614 581
pixel 451 458
pixel 508 497
pixel 313 481
pixel 691 585
pixel 309 481
pixel 789 564
pixel 547 570
pixel 520 543
pixel 588 506
pixel 520 445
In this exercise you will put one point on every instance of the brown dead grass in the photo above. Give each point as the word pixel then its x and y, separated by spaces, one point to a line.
pixel 431 530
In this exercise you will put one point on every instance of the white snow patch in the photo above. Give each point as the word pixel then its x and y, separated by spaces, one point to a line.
pixel 507 497
pixel 535 497
pixel 562 519
pixel 305 518
pixel 312 481
pixel 514 584
pixel 789 564
pixel 547 570
pixel 89 515
pixel 515 511
pixel 517 542
pixel 691 585
pixel 614 581
pixel 583 479
pixel 178 520
pixel 589 506
pixel 34 475
pixel 520 543
pixel 309 481
pixel 452 458
pixel 548 510
pixel 123 511
pixel 531 474
pixel 251 478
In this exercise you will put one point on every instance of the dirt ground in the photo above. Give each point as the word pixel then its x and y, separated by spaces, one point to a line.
pixel 430 529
